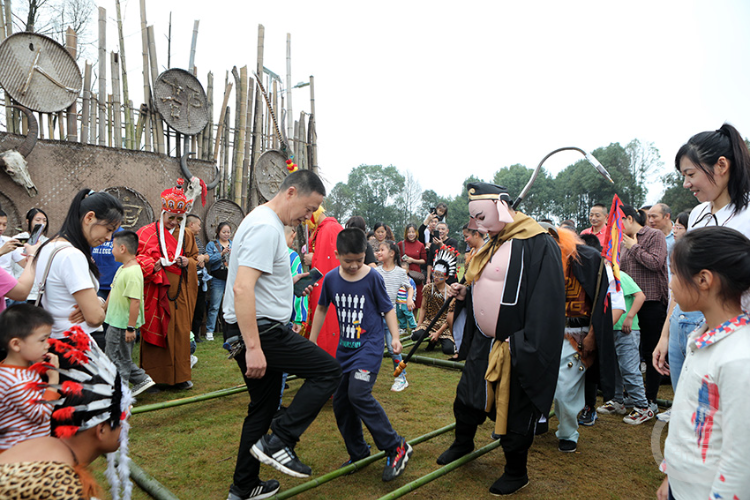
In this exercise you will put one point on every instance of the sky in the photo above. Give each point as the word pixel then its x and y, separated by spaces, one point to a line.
pixel 447 90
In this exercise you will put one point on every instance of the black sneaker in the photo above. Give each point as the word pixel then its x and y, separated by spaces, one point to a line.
pixel 272 451
pixel 264 489
pixel 351 461
pixel 396 460
pixel 567 446
pixel 588 417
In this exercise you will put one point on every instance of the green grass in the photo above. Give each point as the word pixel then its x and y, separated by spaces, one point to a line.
pixel 192 449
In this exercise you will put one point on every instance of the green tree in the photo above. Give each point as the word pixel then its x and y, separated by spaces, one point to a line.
pixel 338 202
pixel 373 192
pixel 458 212
pixel 677 197
pixel 538 203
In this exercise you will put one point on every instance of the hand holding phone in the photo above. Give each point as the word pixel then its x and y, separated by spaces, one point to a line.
pixel 36 233
pixel 313 277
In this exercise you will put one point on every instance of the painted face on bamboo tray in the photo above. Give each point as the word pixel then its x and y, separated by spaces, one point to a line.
pixel 490 216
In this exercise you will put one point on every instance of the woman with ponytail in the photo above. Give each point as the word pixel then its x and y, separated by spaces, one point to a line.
pixel 69 290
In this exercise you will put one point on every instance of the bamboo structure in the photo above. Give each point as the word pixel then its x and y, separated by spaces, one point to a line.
pixel 102 74
pixel 224 112
pixel 289 115
pixel 313 160
pixel 129 142
pixel 116 105
pixel 158 128
pixel 146 86
pixel 86 103
pixel 193 44
pixel 208 133
pixel 93 106
pixel 239 137
pixel 7 30
pixel 71 44
pixel 248 140
pixel 258 123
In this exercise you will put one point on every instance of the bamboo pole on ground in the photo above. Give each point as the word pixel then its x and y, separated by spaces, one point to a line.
pixel 102 75
pixel 257 121
pixel 239 137
pixel 289 115
pixel 71 44
pixel 248 140
pixel 148 484
pixel 86 103
pixel 125 92
pixel 193 44
pixel 146 85
pixel 158 127
pixel 116 105
pixel 93 108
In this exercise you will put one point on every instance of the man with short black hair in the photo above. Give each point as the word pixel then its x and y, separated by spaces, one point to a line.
pixel 257 307
pixel 598 219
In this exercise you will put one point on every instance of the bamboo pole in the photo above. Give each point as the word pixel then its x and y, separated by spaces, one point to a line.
pixel 86 103
pixel 302 149
pixel 50 126
pixel 10 117
pixel 275 101
pixel 360 464
pixel 148 484
pixel 2 20
pixel 248 140
pixel 61 125
pixel 71 44
pixel 224 111
pixel 225 154
pixel 208 131
pixel 125 91
pixel 140 127
pixel 236 130
pixel 129 112
pixel 289 115
pixel 93 107
pixel 116 105
pixel 109 120
pixel 41 125
pixel 102 74
pixel 239 137
pixel 146 86
pixel 169 42
pixel 257 121
pixel 193 44
pixel 313 160
pixel 158 128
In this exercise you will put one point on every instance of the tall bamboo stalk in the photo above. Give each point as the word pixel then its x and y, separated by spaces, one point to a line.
pixel 193 44
pixel 313 160
pixel 239 137
pixel 208 131
pixel 158 128
pixel 86 103
pixel 146 85
pixel 224 112
pixel 125 92
pixel 102 75
pixel 10 115
pixel 289 115
pixel 302 150
pixel 225 153
pixel 248 140
pixel 258 123
pixel 2 20
pixel 71 44
pixel 237 104
pixel 61 125
pixel 109 120
pixel 93 107
pixel 116 105
pixel 41 125
pixel 275 104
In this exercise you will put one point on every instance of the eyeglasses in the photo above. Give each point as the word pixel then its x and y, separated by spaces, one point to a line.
pixel 173 217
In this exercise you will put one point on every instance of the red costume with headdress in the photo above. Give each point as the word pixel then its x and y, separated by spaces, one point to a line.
pixel 169 294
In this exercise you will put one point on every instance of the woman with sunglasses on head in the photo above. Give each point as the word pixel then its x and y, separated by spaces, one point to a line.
pixel 168 257
pixel 65 267
pixel 218 252
pixel 715 166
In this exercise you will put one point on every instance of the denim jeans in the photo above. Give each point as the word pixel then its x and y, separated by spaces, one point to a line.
pixel 121 354
pixel 628 368
pixel 215 294
pixel 681 324
pixel 395 357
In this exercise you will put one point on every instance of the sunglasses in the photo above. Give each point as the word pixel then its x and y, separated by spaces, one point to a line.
pixel 173 217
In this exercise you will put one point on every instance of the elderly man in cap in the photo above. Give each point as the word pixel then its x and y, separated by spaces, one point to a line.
pixel 512 316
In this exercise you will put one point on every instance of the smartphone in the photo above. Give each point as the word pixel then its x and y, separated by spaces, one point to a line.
pixel 36 233
pixel 303 283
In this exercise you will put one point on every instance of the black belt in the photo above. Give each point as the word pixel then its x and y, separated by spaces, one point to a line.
pixel 264 324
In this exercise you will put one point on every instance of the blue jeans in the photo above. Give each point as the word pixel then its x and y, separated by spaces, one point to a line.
pixel 215 294
pixel 628 368
pixel 681 324
pixel 395 357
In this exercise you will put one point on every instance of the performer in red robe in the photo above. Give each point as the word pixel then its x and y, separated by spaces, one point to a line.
pixel 168 255
pixel 321 248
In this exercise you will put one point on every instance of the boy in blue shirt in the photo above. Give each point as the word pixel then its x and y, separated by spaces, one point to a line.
pixel 359 294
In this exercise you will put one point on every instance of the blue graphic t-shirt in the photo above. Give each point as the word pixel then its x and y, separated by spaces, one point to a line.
pixel 359 305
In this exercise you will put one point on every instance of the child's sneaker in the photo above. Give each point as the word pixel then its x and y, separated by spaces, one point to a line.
pixel 638 416
pixel 588 417
pixel 401 332
pixel 209 335
pixel 399 384
pixel 264 489
pixel 272 451
pixel 611 407
pixel 396 460
pixel 664 416
pixel 143 386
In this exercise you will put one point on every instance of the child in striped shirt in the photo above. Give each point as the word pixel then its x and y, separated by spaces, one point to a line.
pixel 24 330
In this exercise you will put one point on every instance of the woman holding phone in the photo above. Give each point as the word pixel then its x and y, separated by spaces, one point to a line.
pixel 36 229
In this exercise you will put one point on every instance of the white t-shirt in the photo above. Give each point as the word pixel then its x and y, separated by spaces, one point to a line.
pixel 260 244
pixel 18 256
pixel 68 274
pixel 7 260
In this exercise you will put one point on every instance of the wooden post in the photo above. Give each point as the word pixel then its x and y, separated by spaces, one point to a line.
pixel 146 86
pixel 71 44
pixel 158 129
pixel 191 66
pixel 116 105
pixel 313 159
pixel 258 121
pixel 239 137
pixel 86 103
pixel 289 115
pixel 125 92
pixel 102 75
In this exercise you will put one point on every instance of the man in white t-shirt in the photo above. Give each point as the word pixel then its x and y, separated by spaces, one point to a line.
pixel 257 309
pixel 7 246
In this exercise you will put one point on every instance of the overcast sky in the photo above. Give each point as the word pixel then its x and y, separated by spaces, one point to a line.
pixel 447 92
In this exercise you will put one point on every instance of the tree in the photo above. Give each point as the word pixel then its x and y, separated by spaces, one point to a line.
pixel 458 212
pixel 338 202
pixel 677 197
pixel 373 191
pixel 538 203
pixel 409 201
pixel 53 17
pixel 430 199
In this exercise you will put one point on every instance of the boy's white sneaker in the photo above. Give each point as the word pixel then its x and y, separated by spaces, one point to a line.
pixel 209 335
pixel 399 384
pixel 193 360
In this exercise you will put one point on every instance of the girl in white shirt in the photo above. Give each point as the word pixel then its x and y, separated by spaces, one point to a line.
pixel 72 282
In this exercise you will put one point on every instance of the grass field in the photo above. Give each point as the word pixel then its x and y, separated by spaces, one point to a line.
pixel 192 449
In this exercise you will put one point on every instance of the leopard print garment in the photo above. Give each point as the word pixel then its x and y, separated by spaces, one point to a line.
pixel 39 481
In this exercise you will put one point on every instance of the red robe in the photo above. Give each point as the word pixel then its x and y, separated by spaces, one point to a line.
pixel 322 245
pixel 165 350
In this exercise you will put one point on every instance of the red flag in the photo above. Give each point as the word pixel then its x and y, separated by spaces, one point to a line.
pixel 613 238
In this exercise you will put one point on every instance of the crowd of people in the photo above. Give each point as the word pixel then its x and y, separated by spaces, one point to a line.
pixel 540 317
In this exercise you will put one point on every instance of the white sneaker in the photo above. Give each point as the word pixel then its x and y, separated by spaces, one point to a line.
pixel 209 335
pixel 399 384
pixel 611 407
pixel 664 416
pixel 638 415
pixel 139 388
pixel 193 360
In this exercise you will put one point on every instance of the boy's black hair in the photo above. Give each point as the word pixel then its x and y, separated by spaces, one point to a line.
pixel 127 238
pixel 592 241
pixel 2 213
pixel 351 241
pixel 20 320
